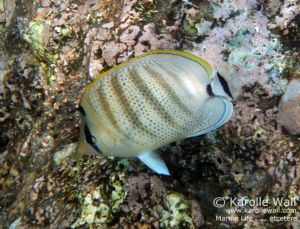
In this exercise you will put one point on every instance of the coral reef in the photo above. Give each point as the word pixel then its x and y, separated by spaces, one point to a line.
pixel 289 108
pixel 50 50
pixel 175 216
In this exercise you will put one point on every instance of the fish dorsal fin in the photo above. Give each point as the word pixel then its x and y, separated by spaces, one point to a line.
pixel 154 162
pixel 223 118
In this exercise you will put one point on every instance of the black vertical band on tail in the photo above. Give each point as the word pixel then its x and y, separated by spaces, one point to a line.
pixel 224 85
pixel 209 90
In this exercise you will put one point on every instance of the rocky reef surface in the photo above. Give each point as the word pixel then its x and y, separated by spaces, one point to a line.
pixel 50 50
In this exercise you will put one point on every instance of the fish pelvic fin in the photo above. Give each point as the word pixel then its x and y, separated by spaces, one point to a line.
pixel 154 162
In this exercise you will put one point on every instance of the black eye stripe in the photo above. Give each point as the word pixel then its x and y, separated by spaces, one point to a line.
pixel 90 138
pixel 88 135
pixel 224 85
pixel 81 110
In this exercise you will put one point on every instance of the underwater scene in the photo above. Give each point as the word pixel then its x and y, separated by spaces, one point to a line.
pixel 176 114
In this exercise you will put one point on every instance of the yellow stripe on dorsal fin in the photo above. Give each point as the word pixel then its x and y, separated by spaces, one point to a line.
pixel 190 56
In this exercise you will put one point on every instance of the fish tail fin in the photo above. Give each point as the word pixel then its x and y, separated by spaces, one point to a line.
pixel 220 86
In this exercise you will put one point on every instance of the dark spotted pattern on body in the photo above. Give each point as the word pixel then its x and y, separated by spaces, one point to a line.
pixel 154 100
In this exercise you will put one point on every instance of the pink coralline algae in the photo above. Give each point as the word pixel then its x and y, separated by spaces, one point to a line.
pixel 287 13
pixel 129 35
pixel 247 49
pixel 150 40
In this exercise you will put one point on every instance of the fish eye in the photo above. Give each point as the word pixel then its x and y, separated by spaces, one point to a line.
pixel 90 138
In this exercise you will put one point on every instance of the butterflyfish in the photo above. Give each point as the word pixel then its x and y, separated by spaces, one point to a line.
pixel 152 100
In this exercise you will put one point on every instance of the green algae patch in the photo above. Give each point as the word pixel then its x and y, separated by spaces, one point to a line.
pixel 239 53
pixel 35 38
pixel 99 205
pixel 146 9
pixel 94 210
pixel 48 73
pixel 190 30
pixel 176 212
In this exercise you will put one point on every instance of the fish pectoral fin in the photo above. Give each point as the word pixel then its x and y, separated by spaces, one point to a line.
pixel 154 162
